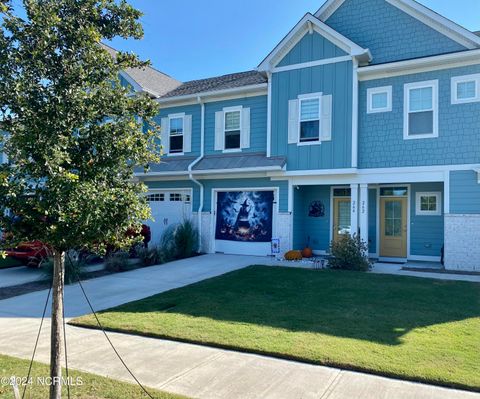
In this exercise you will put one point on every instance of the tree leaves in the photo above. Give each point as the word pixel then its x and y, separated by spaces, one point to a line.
pixel 73 133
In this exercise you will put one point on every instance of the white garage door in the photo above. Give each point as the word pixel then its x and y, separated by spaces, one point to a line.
pixel 244 222
pixel 168 208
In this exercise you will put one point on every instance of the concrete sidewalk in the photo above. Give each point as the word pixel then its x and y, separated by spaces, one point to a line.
pixel 191 370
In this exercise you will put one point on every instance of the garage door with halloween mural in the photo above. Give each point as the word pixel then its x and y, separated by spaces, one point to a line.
pixel 245 216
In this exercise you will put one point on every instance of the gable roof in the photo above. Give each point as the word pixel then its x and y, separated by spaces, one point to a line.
pixel 218 83
pixel 310 23
pixel 424 14
pixel 147 79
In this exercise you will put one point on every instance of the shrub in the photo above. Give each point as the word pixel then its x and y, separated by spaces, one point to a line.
pixel 349 253
pixel 180 241
pixel 119 262
pixel 150 256
pixel 73 267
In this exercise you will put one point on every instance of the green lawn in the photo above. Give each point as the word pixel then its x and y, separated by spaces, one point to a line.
pixel 94 386
pixel 416 329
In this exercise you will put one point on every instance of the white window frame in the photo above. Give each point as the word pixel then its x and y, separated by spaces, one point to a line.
pixel 307 97
pixel 456 80
pixel 379 90
pixel 418 203
pixel 433 84
pixel 182 117
pixel 225 112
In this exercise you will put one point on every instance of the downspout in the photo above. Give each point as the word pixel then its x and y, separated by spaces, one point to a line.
pixel 190 173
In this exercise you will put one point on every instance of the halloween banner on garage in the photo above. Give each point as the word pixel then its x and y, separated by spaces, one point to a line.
pixel 244 216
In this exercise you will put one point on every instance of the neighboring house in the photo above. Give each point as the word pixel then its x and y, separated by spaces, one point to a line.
pixel 364 119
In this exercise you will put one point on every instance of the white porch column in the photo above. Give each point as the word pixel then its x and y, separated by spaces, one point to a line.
pixel 354 209
pixel 364 212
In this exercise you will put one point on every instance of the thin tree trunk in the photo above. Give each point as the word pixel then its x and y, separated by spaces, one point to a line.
pixel 57 325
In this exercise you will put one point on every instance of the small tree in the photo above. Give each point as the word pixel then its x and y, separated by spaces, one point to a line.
pixel 73 134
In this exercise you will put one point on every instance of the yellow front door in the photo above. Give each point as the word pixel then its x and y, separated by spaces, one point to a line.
pixel 393 227
pixel 341 217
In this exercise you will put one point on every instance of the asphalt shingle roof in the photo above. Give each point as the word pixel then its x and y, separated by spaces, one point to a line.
pixel 154 82
pixel 216 162
pixel 224 82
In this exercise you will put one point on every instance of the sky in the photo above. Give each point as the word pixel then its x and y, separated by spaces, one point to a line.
pixel 194 39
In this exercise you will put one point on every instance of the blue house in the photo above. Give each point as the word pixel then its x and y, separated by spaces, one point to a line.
pixel 364 119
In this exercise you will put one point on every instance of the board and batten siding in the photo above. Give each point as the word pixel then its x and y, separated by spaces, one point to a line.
pixel 332 79
pixel 312 47
pixel 258 122
pixel 195 112
pixel 381 142
pixel 389 33
pixel 464 193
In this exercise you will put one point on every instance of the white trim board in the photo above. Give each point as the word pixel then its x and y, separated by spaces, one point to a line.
pixel 311 64
pixel 423 14
pixel 307 25
pixel 419 65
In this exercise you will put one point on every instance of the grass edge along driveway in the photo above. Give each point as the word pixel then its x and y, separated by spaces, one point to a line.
pixel 404 327
pixel 88 386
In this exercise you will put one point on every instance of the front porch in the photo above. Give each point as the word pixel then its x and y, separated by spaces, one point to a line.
pixel 400 222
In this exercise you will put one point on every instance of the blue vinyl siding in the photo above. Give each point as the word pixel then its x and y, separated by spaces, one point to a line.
pixel 334 79
pixel 389 33
pixel 381 143
pixel 304 226
pixel 426 232
pixel 372 221
pixel 240 184
pixel 178 184
pixel 311 47
pixel 258 122
pixel 195 111
pixel 464 192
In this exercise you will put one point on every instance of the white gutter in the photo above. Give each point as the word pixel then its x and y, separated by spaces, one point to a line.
pixel 243 89
pixel 190 173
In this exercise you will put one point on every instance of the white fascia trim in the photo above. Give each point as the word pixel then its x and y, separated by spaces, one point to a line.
pixel 297 33
pixel 136 87
pixel 328 9
pixel 237 170
pixel 408 67
pixel 262 87
pixel 311 64
pixel 438 22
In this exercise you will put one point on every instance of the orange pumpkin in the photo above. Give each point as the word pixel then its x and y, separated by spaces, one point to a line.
pixel 293 255
pixel 307 252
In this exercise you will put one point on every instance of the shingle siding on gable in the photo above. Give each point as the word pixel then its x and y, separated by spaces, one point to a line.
pixel 381 143
pixel 312 47
pixel 389 33
pixel 464 192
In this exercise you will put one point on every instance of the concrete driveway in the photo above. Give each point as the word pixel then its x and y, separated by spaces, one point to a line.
pixel 19 275
pixel 191 370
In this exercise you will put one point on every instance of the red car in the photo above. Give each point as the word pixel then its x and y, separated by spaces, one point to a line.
pixel 30 253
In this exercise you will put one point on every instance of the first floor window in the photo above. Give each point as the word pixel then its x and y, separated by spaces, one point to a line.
pixel 428 204
pixel 176 135
pixel 232 130
pixel 421 110
pixel 309 120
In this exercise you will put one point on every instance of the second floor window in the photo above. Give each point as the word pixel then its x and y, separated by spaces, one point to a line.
pixel 309 120
pixel 176 135
pixel 466 89
pixel 232 130
pixel 421 110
